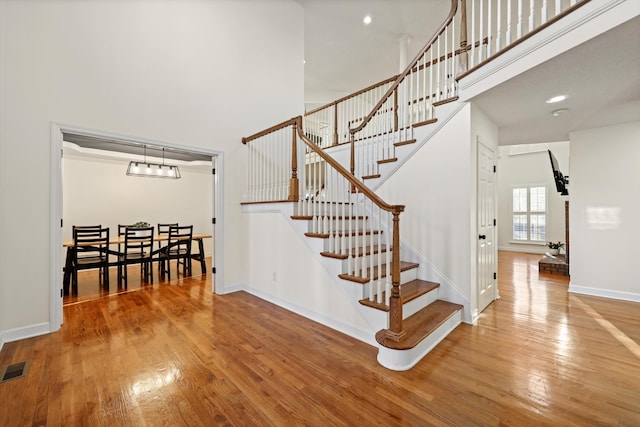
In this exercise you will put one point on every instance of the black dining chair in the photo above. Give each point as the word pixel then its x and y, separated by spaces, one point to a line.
pixel 163 229
pixel 136 249
pixel 90 250
pixel 178 248
pixel 122 230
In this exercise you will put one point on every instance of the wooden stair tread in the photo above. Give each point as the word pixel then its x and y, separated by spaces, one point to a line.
pixel 409 291
pixel 424 123
pixel 357 252
pixel 415 288
pixel 371 176
pixel 420 325
pixel 342 234
pixel 310 217
pixel 445 101
pixel 403 267
pixel 407 142
pixel 391 160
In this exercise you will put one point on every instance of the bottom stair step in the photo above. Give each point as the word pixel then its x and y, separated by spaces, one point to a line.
pixel 420 325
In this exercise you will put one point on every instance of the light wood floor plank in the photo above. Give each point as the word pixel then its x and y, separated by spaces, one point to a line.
pixel 175 354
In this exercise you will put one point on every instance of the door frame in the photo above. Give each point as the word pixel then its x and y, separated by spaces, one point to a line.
pixel 496 295
pixel 56 214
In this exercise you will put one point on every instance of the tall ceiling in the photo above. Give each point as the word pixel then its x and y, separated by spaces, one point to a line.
pixel 602 76
pixel 343 55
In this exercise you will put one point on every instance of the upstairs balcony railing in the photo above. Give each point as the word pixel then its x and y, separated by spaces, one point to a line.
pixel 378 118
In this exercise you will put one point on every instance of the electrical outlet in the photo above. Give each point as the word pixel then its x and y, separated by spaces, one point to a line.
pixel 274 277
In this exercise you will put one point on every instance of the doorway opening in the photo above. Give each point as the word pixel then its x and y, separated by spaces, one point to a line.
pixel 90 186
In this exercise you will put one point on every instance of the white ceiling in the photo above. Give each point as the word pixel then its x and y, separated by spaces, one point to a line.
pixel 601 76
pixel 342 55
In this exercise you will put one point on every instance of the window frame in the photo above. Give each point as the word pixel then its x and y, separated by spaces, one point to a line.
pixel 529 213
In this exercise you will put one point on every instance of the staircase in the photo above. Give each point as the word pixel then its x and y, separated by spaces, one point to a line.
pixel 426 319
pixel 345 156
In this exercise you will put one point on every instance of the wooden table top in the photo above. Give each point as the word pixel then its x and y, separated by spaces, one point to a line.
pixel 119 240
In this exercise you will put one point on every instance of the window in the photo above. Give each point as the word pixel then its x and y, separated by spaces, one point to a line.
pixel 530 214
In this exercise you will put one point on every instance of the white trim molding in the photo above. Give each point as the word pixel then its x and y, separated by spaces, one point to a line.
pixel 605 293
pixel 601 15
pixel 24 332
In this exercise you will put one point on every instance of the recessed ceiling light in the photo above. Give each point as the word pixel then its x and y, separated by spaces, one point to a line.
pixel 556 113
pixel 557 98
pixel 367 20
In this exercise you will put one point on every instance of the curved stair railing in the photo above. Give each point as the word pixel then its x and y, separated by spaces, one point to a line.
pixel 379 119
pixel 361 229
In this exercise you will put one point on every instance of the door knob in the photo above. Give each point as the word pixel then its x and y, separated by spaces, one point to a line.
pixel 482 236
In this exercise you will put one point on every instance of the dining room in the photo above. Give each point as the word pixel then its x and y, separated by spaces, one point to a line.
pixel 115 184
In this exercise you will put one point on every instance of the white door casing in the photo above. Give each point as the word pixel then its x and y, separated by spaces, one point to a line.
pixel 486 212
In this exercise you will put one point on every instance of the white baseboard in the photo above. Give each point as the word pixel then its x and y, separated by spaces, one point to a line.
pixel 24 332
pixel 605 293
pixel 525 249
pixel 229 289
pixel 365 336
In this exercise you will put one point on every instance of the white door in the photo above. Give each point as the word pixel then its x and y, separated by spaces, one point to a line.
pixel 487 251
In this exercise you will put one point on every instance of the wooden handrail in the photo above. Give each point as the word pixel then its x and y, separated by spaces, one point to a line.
pixel 352 179
pixel 268 131
pixel 452 13
pixel 352 95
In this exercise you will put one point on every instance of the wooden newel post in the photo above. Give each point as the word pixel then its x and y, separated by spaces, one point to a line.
pixel 395 331
pixel 463 58
pixel 352 161
pixel 293 182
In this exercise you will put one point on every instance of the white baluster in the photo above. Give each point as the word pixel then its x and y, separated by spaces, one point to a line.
pixel 519 25
pixel 481 34
pixel 508 32
pixel 489 33
pixel 498 25
pixel 532 14
pixel 472 54
pixel 544 12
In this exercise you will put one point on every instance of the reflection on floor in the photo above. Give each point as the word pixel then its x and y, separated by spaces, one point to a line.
pixel 89 288
pixel 176 354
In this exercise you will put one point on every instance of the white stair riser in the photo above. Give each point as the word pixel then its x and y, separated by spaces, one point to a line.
pixel 373 290
pixel 412 307
pixel 359 263
pixel 325 225
pixel 336 244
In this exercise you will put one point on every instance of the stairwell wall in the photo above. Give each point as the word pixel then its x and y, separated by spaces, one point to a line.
pixel 435 185
pixel 281 267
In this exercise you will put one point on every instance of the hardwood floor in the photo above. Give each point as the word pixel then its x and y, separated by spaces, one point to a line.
pixel 175 354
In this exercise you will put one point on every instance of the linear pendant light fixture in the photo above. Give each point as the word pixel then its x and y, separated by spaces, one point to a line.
pixel 153 170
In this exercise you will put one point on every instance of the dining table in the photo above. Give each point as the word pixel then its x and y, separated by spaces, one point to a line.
pixel 119 240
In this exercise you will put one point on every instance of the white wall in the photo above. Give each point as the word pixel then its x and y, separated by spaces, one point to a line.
pixel 604 211
pixel 97 191
pixel 435 186
pixel 531 166
pixel 281 268
pixel 191 73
